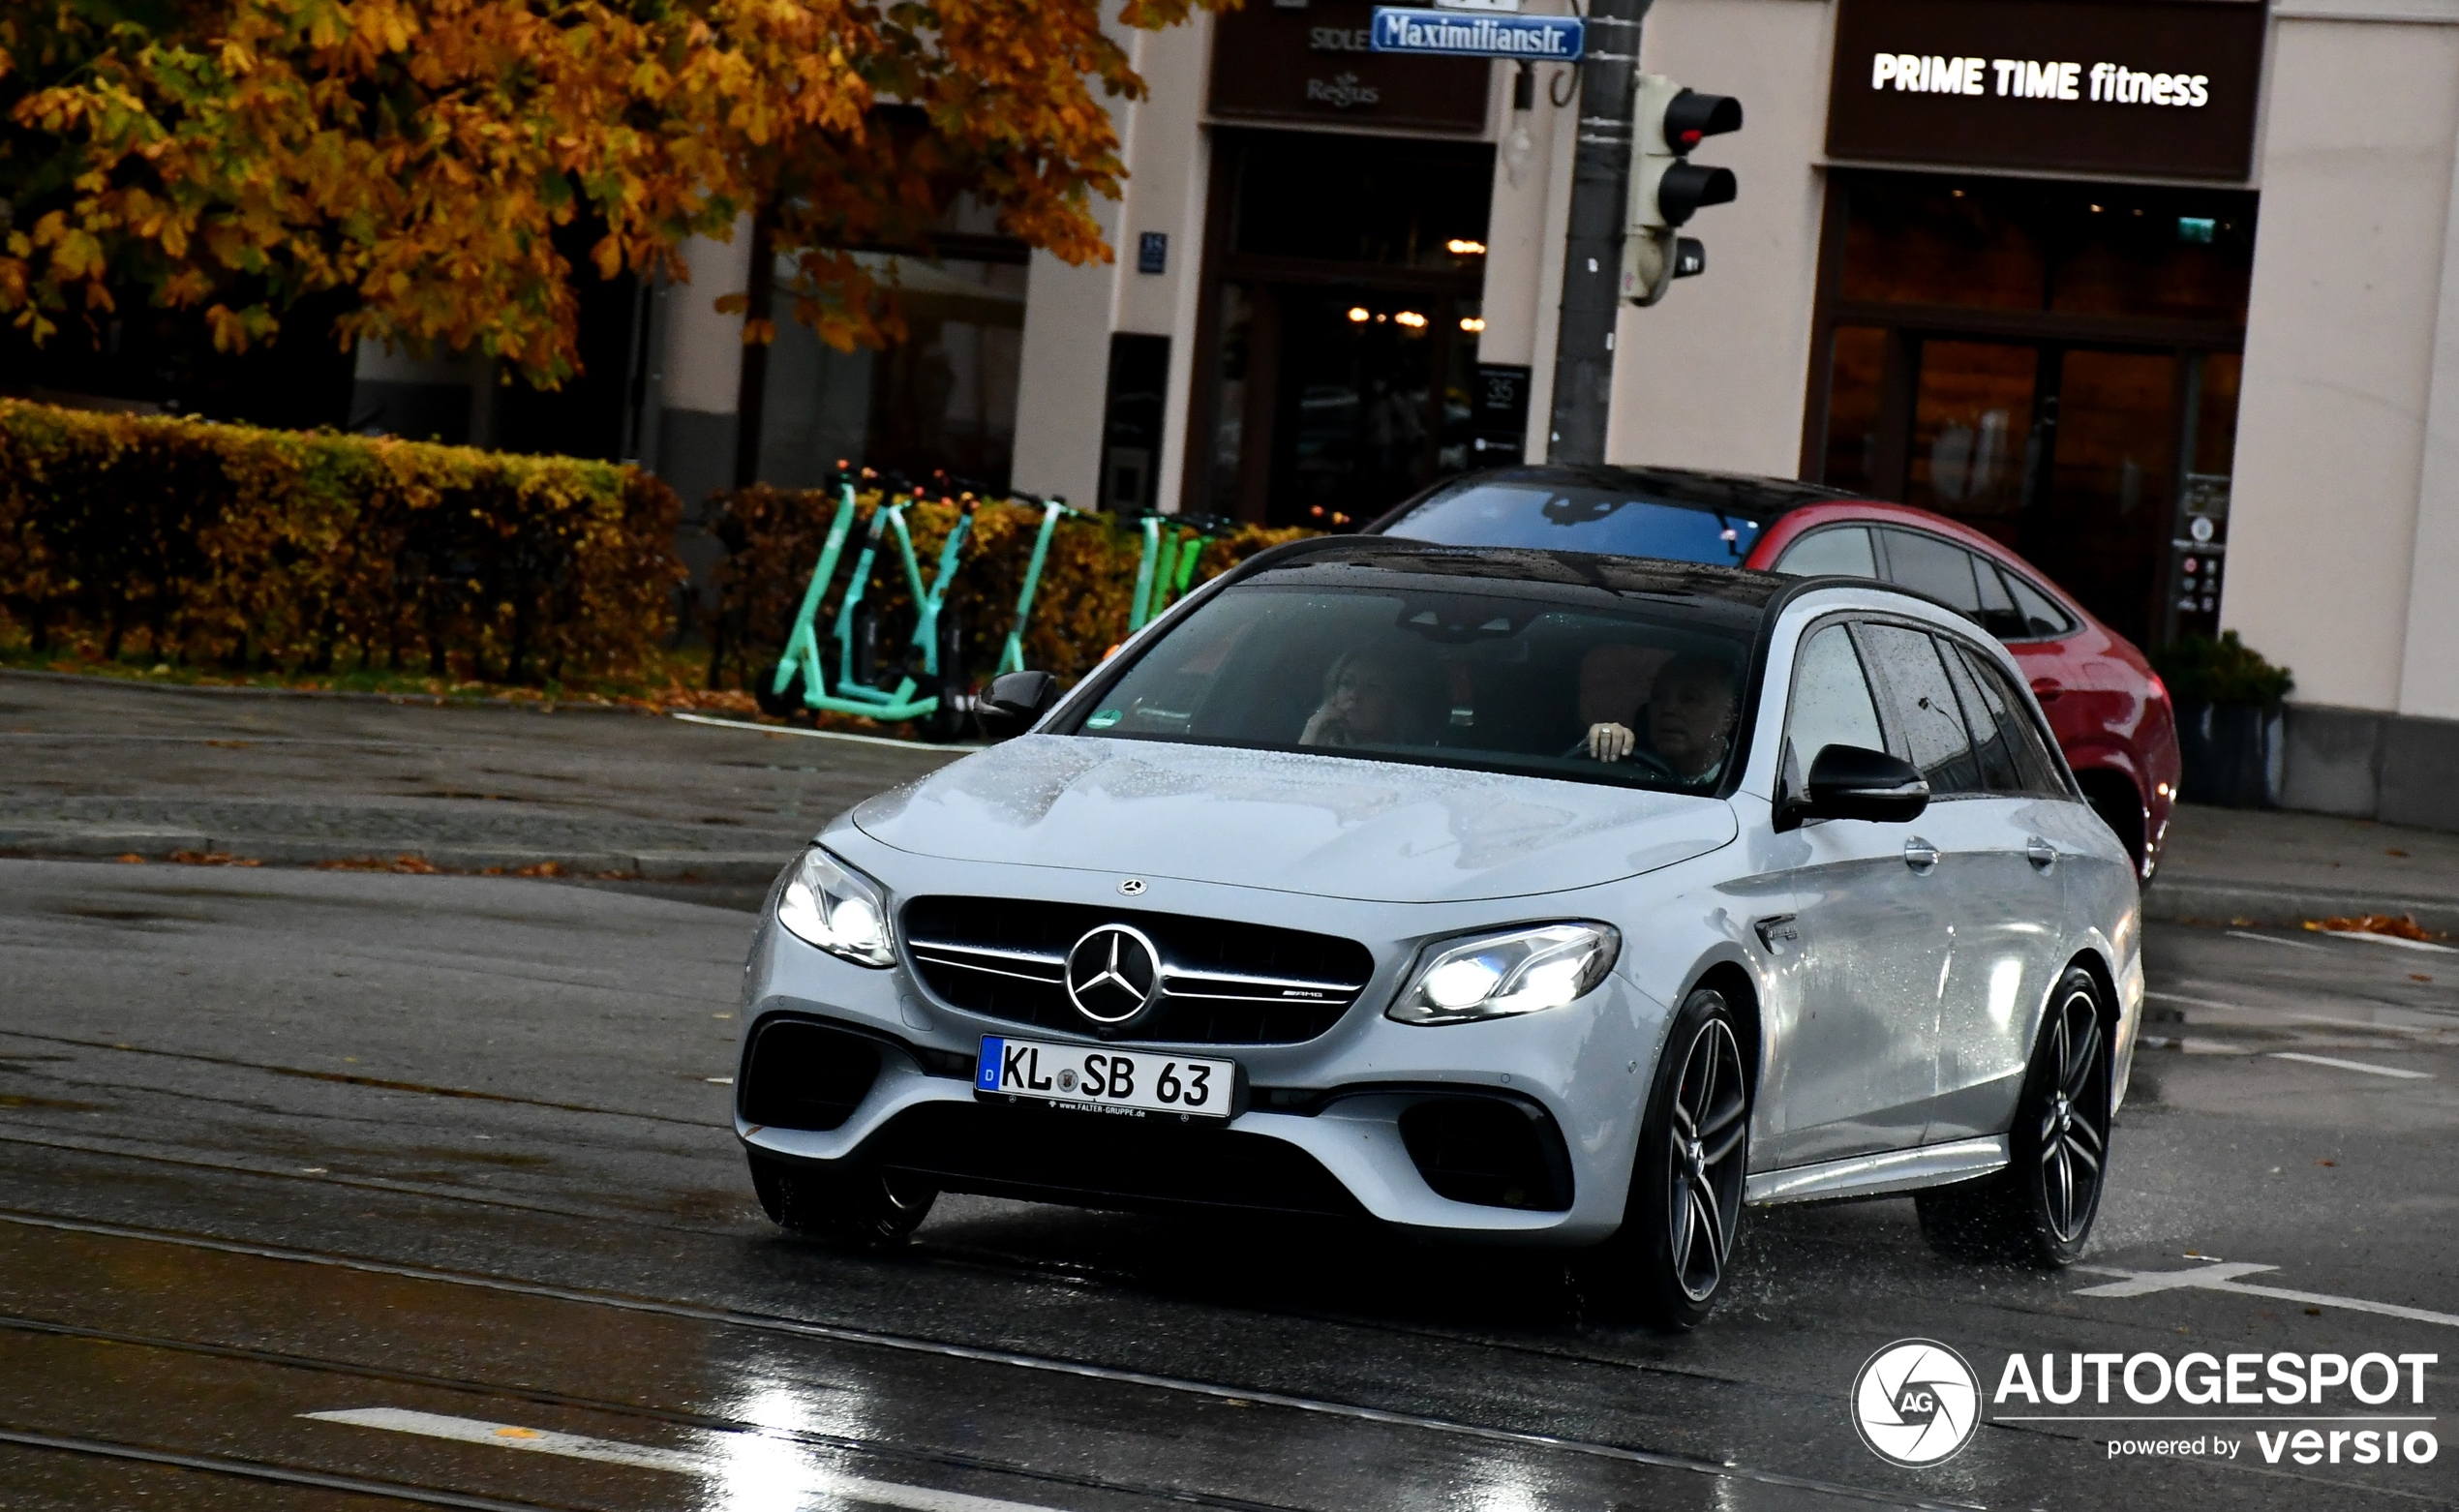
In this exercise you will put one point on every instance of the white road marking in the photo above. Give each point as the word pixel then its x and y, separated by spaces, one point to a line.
pixel 2274 939
pixel 2403 943
pixel 774 1463
pixel 2224 1278
pixel 824 735
pixel 2330 1060
pixel 2194 1002
pixel 2162 1042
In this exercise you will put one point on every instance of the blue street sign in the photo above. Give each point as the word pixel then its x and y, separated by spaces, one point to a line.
pixel 1453 34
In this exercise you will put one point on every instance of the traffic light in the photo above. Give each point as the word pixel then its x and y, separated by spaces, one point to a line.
pixel 1667 187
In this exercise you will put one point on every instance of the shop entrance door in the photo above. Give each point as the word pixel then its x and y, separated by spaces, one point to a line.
pixel 2053 363
pixel 2066 454
pixel 1352 398
pixel 1338 355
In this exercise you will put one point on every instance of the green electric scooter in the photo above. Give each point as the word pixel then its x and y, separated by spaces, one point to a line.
pixel 1053 510
pixel 800 680
pixel 1172 546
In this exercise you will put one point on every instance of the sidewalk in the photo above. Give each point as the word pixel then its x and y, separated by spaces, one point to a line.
pixel 2227 865
pixel 110 769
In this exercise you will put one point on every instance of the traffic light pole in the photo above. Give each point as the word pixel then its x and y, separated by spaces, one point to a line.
pixel 1592 252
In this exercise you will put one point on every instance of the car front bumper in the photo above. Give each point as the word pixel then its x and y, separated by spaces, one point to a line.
pixel 1322 1130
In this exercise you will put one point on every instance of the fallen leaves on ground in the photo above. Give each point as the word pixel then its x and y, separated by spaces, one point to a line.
pixel 2402 926
pixel 212 859
pixel 413 866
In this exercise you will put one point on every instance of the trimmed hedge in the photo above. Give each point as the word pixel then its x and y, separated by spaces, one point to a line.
pixel 2225 670
pixel 773 540
pixel 290 551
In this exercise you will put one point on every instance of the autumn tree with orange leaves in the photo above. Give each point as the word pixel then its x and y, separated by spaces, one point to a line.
pixel 232 157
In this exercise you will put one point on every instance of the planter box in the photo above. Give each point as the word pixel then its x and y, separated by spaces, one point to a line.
pixel 2232 753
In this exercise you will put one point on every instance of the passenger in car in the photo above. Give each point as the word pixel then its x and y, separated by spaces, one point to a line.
pixel 1363 694
pixel 1688 717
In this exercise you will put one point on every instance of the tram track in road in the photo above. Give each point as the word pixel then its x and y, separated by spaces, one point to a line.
pixel 607 1407
pixel 775 1325
pixel 275 1474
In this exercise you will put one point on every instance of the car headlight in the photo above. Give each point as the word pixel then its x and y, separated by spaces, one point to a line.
pixel 830 904
pixel 1516 971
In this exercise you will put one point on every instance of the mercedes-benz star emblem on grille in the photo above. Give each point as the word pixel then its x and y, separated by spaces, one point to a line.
pixel 1113 973
pixel 1132 886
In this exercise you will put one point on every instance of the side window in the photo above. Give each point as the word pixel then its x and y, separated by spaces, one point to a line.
pixel 1843 550
pixel 2042 619
pixel 1941 570
pixel 1987 719
pixel 1832 704
pixel 1998 614
pixel 2036 766
pixel 1925 724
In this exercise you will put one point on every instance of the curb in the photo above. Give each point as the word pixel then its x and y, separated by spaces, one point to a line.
pixel 2213 899
pixel 738 868
pixel 340 695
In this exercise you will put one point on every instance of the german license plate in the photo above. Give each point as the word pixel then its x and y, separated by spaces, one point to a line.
pixel 1096 1078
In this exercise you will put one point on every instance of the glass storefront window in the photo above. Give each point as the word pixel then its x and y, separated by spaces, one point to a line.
pixel 1972 422
pixel 2024 244
pixel 1859 363
pixel 2052 363
pixel 943 400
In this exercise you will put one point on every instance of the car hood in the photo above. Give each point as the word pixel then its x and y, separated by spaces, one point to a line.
pixel 1294 821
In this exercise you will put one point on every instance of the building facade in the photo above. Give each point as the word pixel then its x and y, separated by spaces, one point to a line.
pixel 2165 294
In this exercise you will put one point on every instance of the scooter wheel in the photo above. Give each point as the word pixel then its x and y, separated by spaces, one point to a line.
pixel 775 703
pixel 953 719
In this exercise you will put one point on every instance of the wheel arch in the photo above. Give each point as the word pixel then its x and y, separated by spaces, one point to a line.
pixel 2108 787
pixel 1741 992
pixel 2112 1007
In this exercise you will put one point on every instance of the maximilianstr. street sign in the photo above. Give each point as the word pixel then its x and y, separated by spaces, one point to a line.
pixel 1451 34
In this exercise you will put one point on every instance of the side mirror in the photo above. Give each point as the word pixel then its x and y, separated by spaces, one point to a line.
pixel 1012 701
pixel 1851 782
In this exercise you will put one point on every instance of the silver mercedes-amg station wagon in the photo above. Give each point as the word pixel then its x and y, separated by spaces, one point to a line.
pixel 1483 894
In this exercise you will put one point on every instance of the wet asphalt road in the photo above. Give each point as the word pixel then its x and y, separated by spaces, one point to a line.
pixel 326 1189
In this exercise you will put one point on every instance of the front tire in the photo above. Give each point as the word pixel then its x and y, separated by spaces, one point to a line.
pixel 1667 1264
pixel 2039 1210
pixel 860 1207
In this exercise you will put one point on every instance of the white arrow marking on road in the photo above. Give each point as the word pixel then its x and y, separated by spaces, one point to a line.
pixel 719 1461
pixel 2326 1060
pixel 2223 1277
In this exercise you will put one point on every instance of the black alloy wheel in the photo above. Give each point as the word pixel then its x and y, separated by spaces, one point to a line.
pixel 1668 1263
pixel 858 1206
pixel 2039 1210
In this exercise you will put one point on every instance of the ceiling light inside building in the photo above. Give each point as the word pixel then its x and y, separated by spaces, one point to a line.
pixel 1411 319
pixel 1460 247
pixel 1472 322
pixel 1360 313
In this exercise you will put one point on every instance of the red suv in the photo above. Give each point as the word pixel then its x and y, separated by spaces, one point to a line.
pixel 2105 703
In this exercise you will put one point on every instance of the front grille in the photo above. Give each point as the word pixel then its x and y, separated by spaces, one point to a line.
pixel 1222 983
pixel 1053 1156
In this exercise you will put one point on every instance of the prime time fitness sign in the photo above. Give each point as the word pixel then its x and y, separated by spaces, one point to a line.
pixel 2161 88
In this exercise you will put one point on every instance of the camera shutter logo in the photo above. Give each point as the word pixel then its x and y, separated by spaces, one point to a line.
pixel 1915 1403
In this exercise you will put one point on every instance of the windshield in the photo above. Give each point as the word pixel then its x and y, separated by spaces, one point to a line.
pixel 1579 517
pixel 1444 678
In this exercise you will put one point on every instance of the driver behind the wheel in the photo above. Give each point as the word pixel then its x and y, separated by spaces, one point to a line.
pixel 1689 713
